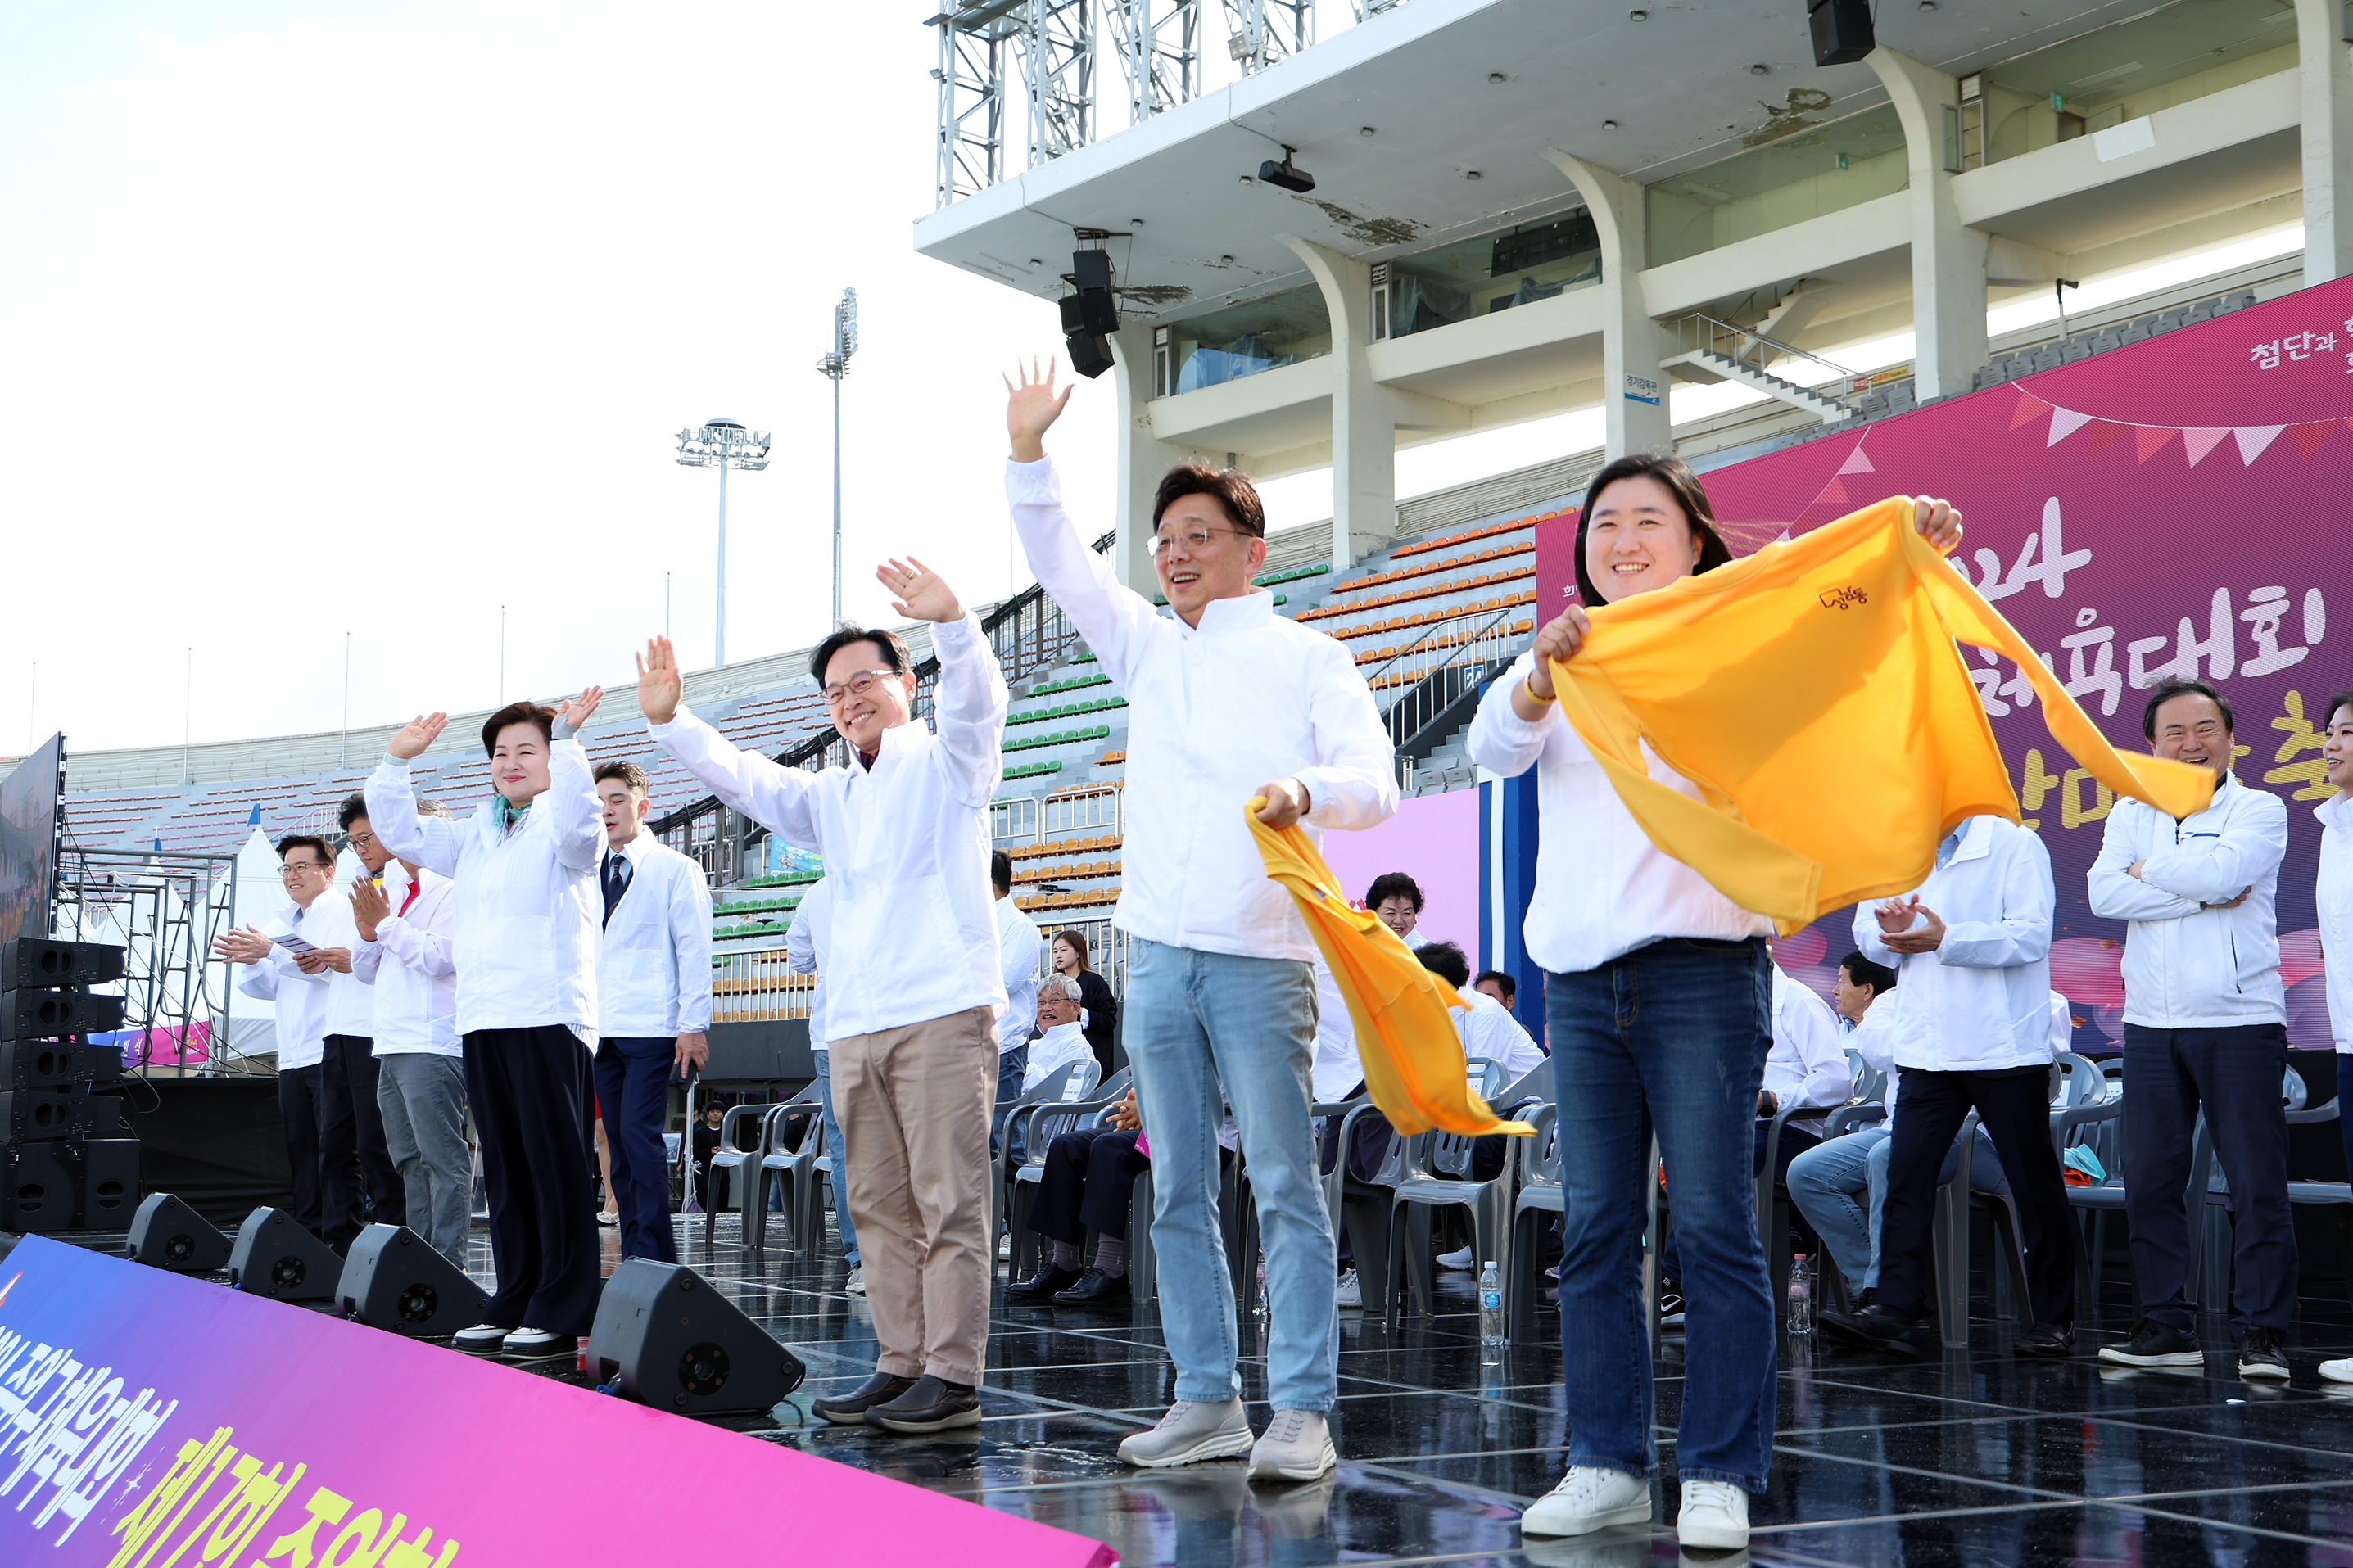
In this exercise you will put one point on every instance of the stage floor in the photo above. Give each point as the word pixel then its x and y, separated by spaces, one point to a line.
pixel 1974 1458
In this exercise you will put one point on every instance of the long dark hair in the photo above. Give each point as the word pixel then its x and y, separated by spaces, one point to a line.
pixel 1681 483
pixel 1078 940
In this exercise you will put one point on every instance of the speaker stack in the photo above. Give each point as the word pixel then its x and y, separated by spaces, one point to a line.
pixel 67 1160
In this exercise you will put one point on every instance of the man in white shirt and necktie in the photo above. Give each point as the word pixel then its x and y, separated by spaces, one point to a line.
pixel 653 1002
pixel 407 952
pixel 912 1005
pixel 1229 702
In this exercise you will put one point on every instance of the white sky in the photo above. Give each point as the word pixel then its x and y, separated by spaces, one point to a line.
pixel 372 318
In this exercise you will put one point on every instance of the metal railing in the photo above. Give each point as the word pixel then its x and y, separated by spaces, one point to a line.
pixel 1748 346
pixel 747 987
pixel 1419 719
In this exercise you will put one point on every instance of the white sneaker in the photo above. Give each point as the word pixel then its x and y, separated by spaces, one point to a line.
pixel 482 1337
pixel 1295 1447
pixel 1005 1246
pixel 1351 1293
pixel 1590 1497
pixel 856 1285
pixel 1461 1260
pixel 1714 1514
pixel 2337 1370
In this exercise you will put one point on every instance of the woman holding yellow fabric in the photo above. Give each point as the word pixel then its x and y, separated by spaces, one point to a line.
pixel 1658 996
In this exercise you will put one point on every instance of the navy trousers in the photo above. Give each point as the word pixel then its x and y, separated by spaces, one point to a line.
pixel 299 1093
pixel 1089 1176
pixel 2235 1075
pixel 633 1079
pixel 529 1090
pixel 356 1179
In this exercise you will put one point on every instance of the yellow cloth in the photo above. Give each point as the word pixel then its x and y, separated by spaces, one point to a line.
pixel 1813 693
pixel 1406 1041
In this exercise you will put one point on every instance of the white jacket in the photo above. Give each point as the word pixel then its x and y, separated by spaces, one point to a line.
pixel 804 947
pixel 905 844
pixel 411 964
pixel 1876 1037
pixel 2333 896
pixel 1216 711
pixel 1489 1032
pixel 1807 1067
pixel 1602 888
pixel 1981 1002
pixel 653 975
pixel 1337 1068
pixel 1064 1045
pixel 302 1000
pixel 2188 966
pixel 1019 951
pixel 528 907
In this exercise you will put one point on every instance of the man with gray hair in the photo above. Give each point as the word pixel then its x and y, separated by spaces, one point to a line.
pixel 407 930
pixel 1061 1041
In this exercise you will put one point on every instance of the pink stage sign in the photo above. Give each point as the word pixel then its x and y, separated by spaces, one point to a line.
pixel 260 1434
pixel 1434 840
pixel 2170 508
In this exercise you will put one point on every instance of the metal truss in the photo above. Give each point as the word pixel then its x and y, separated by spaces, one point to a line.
pixel 1058 69
pixel 974 40
pixel 1261 32
pixel 1159 47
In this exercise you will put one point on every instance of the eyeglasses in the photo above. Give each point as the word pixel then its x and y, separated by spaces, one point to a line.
pixel 293 869
pixel 1196 538
pixel 857 685
pixel 363 840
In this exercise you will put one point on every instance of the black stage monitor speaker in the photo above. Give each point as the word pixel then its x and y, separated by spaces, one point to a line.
pixel 32 1113
pixel 275 1257
pixel 1843 30
pixel 677 1344
pixel 394 1281
pixel 34 961
pixel 37 1187
pixel 106 1179
pixel 44 1014
pixel 167 1234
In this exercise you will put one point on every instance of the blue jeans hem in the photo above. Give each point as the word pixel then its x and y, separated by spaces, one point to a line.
pixel 1752 1484
pixel 1599 1462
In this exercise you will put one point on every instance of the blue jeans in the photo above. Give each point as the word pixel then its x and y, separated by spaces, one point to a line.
pixel 1670 1038
pixel 1012 1067
pixel 1207 1026
pixel 834 1151
pixel 633 1079
pixel 1840 1187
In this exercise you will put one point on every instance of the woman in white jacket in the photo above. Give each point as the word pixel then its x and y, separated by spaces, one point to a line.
pixel 2333 899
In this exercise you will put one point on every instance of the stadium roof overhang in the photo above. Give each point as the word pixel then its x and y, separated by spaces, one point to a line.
pixel 1201 232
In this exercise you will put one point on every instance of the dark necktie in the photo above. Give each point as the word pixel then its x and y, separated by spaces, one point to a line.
pixel 616 881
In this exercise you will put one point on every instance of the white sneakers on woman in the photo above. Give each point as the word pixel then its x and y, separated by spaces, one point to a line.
pixel 1589 1498
pixel 2337 1371
pixel 1714 1513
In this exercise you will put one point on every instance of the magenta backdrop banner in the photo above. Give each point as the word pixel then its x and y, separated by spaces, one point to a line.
pixel 1433 839
pixel 2169 508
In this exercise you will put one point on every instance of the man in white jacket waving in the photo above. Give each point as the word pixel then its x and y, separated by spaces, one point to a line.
pixel 911 1003
pixel 2205 1025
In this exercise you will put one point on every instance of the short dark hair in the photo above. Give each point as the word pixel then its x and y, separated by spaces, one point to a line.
pixel 1511 987
pixel 1229 487
pixel 628 774
pixel 1689 493
pixel 889 644
pixel 294 841
pixel 1446 961
pixel 1860 971
pixel 1000 870
pixel 354 807
pixel 2173 689
pixel 1393 885
pixel 2338 699
pixel 1078 940
pixel 524 710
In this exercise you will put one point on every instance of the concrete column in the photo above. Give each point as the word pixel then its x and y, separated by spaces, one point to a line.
pixel 1948 257
pixel 1364 423
pixel 1143 458
pixel 1633 387
pixel 2324 70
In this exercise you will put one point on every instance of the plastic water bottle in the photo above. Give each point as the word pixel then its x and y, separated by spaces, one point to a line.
pixel 1265 1306
pixel 1802 1295
pixel 1491 1312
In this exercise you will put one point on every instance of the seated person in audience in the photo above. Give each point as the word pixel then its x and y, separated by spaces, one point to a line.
pixel 1089 1175
pixel 706 1144
pixel 1098 1008
pixel 1501 987
pixel 1397 899
pixel 1807 1069
pixel 1489 1033
pixel 1060 1042
pixel 1335 1077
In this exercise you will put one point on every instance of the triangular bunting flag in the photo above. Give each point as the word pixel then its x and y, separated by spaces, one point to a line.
pixel 2106 433
pixel 1858 462
pixel 2065 422
pixel 2310 434
pixel 2148 440
pixel 2254 439
pixel 2028 407
pixel 2198 443
pixel 1832 492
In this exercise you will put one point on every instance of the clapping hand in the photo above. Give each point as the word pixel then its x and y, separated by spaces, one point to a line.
pixel 1928 938
pixel 918 591
pixel 417 734
pixel 575 711
pixel 1032 408
pixel 369 906
pixel 244 945
pixel 661 687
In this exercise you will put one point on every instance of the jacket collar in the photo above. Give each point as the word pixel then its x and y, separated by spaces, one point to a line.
pixel 1977 840
pixel 1226 618
pixel 2335 812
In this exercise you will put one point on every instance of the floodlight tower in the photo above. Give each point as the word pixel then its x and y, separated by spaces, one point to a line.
pixel 722 444
pixel 833 367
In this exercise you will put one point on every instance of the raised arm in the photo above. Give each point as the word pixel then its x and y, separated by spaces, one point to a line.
pixel 1353 782
pixel 428 841
pixel 2020 932
pixel 2217 869
pixel 571 793
pixel 778 798
pixel 2115 893
pixel 1116 621
pixel 969 703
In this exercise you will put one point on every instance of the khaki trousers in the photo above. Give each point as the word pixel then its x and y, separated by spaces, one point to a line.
pixel 913 1104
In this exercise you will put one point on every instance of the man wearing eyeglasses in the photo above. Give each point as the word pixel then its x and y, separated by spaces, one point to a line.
pixel 294 964
pixel 909 1007
pixel 1227 702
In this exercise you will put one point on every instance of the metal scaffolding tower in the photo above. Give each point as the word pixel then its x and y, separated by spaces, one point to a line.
pixel 1058 69
pixel 974 39
pixel 1261 32
pixel 1160 46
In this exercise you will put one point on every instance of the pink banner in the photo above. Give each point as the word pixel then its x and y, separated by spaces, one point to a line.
pixel 2168 507
pixel 1434 840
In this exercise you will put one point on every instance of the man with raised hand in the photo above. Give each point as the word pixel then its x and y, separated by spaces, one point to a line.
pixel 909 1007
pixel 1229 702
pixel 525 952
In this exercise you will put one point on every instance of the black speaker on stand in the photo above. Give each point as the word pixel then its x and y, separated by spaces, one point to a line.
pixel 66 1160
pixel 677 1344
pixel 167 1234
pixel 275 1257
pixel 393 1280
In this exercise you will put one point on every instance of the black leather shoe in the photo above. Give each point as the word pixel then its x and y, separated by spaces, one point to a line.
pixel 933 1404
pixel 2048 1341
pixel 850 1409
pixel 1096 1288
pixel 1880 1329
pixel 1044 1285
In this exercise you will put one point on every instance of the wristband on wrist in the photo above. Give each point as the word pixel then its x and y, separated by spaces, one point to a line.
pixel 1530 684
